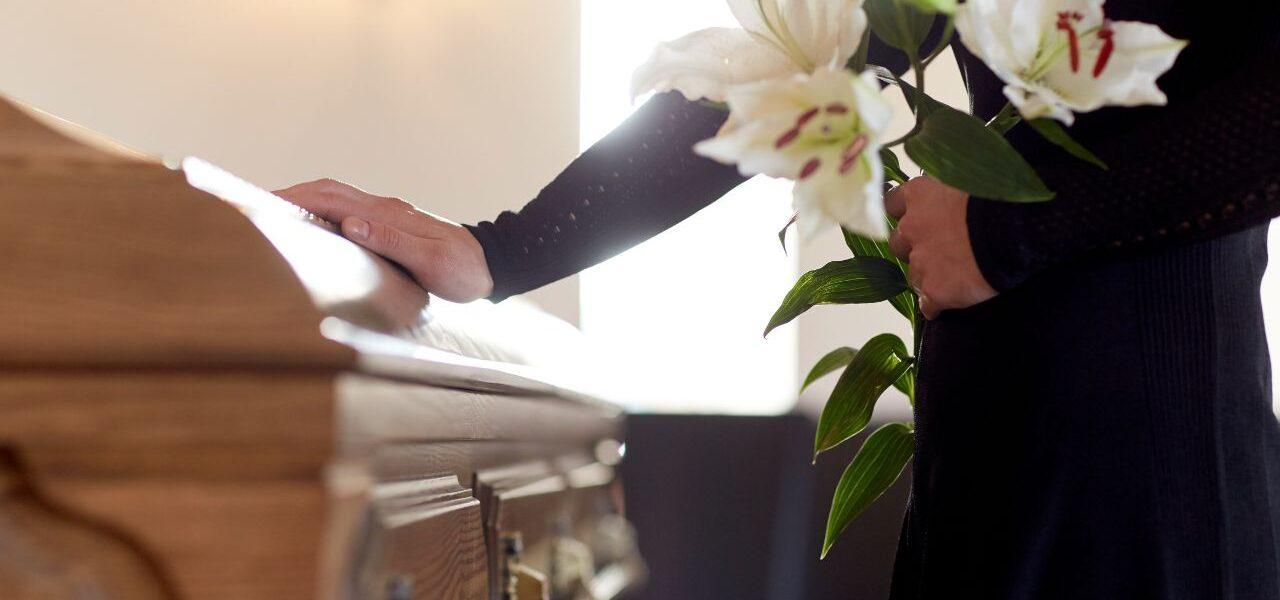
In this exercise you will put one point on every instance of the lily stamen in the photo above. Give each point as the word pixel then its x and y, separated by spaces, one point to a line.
pixel 792 134
pixel 1107 35
pixel 787 40
pixel 787 138
pixel 849 157
pixel 1064 24
pixel 809 168
pixel 806 116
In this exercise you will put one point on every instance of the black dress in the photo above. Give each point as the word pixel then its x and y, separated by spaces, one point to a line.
pixel 1102 428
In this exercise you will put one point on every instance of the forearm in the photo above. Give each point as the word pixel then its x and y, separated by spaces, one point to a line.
pixel 1203 167
pixel 638 181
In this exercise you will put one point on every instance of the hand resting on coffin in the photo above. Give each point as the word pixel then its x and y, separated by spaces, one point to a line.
pixel 441 255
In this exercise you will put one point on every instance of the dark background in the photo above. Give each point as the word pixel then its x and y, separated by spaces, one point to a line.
pixel 730 507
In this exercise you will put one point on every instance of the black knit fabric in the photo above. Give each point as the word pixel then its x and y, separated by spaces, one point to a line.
pixel 1205 165
pixel 1102 428
pixel 635 183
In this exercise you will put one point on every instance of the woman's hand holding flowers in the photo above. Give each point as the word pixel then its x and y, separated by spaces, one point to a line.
pixel 933 238
pixel 804 105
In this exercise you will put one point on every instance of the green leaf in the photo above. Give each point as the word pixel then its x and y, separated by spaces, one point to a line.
pixel 885 76
pixel 1050 130
pixel 841 357
pixel 892 169
pixel 873 369
pixel 898 24
pixel 907 384
pixel 945 7
pixel 858 62
pixel 877 465
pixel 833 360
pixel 782 233
pixel 908 91
pixel 904 303
pixel 861 245
pixel 960 151
pixel 859 280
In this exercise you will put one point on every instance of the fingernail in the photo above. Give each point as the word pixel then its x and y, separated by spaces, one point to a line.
pixel 357 228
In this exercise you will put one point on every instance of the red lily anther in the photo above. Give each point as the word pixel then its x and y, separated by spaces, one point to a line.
pixel 1107 35
pixel 849 157
pixel 1064 23
pixel 787 138
pixel 809 168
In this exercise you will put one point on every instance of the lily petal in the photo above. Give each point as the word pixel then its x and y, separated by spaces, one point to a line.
pixel 812 32
pixel 821 129
pixel 762 112
pixel 1029 22
pixel 826 31
pixel 704 64
pixel 854 200
pixel 872 109
pixel 1034 102
pixel 984 32
pixel 1060 57
pixel 756 16
pixel 1141 55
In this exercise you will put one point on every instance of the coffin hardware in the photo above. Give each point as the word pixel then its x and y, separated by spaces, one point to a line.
pixel 521 582
pixel 400 587
pixel 572 570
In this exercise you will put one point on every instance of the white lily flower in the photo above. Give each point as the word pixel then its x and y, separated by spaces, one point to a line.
pixel 1058 57
pixel 822 130
pixel 778 38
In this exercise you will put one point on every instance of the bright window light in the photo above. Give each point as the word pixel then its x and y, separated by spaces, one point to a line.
pixel 1271 312
pixel 687 308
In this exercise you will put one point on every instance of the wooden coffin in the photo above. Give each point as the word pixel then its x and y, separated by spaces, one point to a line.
pixel 206 393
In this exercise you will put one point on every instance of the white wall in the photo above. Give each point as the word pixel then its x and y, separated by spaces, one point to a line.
pixel 465 107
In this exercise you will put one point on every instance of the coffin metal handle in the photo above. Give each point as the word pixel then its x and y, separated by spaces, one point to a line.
pixel 572 570
pixel 400 587
pixel 520 581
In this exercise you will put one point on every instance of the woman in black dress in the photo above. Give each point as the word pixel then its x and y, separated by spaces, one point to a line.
pixel 1127 447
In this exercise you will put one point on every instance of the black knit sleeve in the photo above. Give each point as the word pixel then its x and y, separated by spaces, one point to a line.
pixel 1206 165
pixel 639 180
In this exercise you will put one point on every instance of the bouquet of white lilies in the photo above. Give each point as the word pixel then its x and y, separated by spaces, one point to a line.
pixel 804 104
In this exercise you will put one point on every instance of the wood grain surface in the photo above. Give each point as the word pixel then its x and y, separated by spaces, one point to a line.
pixel 175 422
pixel 426 534
pixel 113 260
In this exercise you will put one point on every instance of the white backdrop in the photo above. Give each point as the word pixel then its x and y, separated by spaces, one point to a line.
pixel 689 306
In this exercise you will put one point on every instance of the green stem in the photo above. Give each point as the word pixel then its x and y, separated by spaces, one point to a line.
pixel 713 104
pixel 914 372
pixel 918 67
pixel 947 30
pixel 917 330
